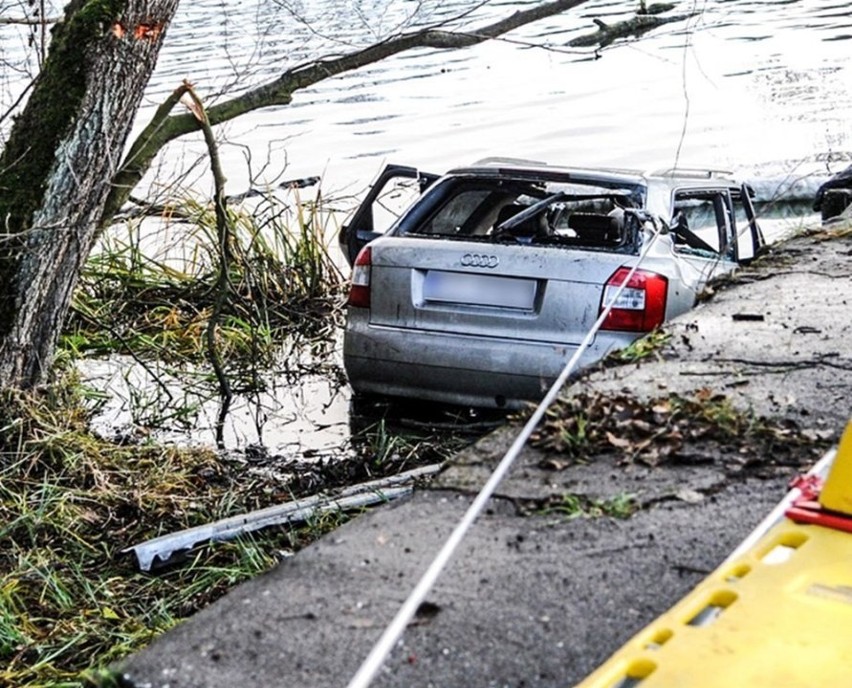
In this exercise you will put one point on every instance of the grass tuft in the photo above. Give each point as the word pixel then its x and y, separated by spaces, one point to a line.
pixel 649 345
pixel 571 506
pixel 152 293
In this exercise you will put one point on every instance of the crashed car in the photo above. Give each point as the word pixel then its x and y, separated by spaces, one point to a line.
pixel 483 288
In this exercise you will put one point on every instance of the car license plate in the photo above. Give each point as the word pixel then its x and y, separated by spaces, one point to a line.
pixel 479 290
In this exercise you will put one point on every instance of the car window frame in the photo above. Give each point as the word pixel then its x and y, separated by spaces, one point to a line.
pixel 755 233
pixel 725 222
pixel 725 208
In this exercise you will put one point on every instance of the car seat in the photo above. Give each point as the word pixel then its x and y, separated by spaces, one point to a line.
pixel 593 229
pixel 526 230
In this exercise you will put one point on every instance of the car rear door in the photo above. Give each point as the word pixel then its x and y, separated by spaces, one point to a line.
pixel 396 187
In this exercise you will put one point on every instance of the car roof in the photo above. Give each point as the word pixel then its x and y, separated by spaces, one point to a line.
pixel 658 180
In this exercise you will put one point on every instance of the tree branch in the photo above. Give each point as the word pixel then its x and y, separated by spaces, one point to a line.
pixel 27 21
pixel 224 239
pixel 280 91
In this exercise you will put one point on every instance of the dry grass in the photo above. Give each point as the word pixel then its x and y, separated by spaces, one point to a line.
pixel 70 502
pixel 153 295
pixel 71 602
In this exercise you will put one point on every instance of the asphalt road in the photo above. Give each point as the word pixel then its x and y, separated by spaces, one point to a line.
pixel 535 597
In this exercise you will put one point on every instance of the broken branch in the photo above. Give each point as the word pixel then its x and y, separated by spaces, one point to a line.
pixel 224 244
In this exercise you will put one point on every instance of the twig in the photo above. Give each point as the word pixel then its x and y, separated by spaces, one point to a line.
pixel 127 347
pixel 27 21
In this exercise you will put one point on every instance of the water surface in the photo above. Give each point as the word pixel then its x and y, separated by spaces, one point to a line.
pixel 759 87
pixel 754 86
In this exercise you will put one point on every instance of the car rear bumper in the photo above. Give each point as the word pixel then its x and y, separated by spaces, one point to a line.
pixel 459 369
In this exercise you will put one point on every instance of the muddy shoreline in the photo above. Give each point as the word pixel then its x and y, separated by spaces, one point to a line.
pixel 746 391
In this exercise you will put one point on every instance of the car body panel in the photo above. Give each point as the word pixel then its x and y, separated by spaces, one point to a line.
pixel 482 290
pixel 460 369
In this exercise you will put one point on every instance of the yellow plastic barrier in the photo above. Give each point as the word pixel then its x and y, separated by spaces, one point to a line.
pixel 837 490
pixel 778 615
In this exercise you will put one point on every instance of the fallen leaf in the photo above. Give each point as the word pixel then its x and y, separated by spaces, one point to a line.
pixel 689 496
pixel 618 442
pixel 644 444
pixel 650 458
pixel 550 464
pixel 108 613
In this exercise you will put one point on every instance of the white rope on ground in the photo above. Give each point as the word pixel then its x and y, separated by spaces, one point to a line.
pixel 392 633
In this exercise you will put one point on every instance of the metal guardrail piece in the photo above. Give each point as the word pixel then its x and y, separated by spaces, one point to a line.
pixel 161 550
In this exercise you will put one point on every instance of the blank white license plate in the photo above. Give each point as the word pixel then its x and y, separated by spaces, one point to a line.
pixel 479 290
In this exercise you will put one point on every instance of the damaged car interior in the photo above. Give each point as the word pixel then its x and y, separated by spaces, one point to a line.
pixel 475 287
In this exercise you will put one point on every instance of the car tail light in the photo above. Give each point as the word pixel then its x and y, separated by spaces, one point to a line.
pixel 359 291
pixel 641 306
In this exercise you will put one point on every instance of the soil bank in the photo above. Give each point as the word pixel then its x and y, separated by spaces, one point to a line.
pixel 547 585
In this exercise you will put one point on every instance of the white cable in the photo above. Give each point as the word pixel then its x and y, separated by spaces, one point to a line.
pixel 371 665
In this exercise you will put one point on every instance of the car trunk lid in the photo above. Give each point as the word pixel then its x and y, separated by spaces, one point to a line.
pixel 547 294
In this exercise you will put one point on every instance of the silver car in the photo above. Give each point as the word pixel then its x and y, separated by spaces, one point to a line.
pixel 480 292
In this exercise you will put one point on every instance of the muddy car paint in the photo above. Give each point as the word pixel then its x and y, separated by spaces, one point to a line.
pixel 483 288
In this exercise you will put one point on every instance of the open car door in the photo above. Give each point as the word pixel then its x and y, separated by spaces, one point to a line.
pixel 393 191
pixel 716 224
pixel 749 241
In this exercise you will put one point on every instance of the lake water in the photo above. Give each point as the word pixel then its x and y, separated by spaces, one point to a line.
pixel 759 87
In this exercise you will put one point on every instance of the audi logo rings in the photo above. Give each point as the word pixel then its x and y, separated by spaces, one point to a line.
pixel 479 260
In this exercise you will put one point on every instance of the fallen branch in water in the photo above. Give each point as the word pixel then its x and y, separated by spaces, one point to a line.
pixel 635 27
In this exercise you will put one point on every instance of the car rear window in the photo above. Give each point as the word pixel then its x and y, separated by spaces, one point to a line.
pixel 557 214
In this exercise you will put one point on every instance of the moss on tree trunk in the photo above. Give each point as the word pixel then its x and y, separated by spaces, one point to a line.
pixel 52 109
pixel 55 168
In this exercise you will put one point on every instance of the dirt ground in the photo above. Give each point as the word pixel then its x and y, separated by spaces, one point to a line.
pixel 601 526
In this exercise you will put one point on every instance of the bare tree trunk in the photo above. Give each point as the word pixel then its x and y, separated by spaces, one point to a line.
pixel 56 168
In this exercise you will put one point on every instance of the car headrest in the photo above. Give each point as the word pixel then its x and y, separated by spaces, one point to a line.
pixel 596 228
pixel 506 212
